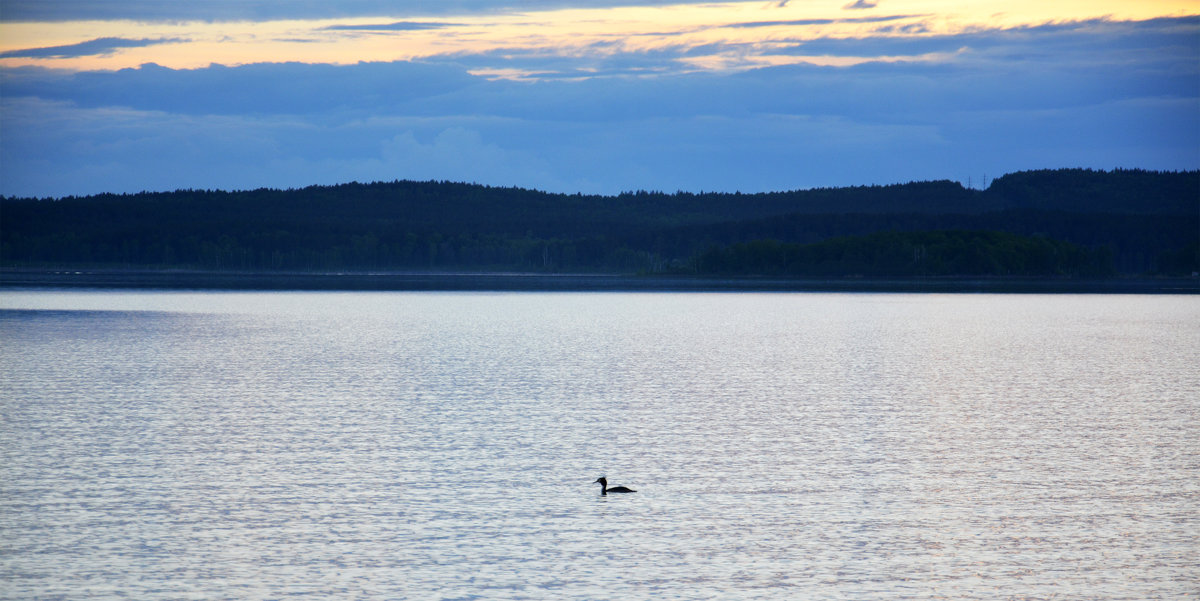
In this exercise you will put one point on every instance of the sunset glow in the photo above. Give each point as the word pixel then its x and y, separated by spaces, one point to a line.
pixel 714 36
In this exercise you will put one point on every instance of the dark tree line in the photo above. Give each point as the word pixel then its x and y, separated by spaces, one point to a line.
pixel 1149 222
pixel 1139 243
pixel 944 253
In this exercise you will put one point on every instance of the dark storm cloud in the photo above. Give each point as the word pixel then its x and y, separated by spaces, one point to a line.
pixel 96 47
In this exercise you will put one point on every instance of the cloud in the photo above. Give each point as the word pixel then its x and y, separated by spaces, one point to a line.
pixel 802 22
pixel 1096 94
pixel 96 47
pixel 257 89
pixel 397 26
pixel 860 5
pixel 265 10
pixel 1074 46
pixel 598 61
pixel 1031 67
pixel 60 149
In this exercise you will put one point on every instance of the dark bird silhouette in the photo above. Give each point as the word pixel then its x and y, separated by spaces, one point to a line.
pixel 604 489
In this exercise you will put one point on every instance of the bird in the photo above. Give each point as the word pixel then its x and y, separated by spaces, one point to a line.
pixel 604 489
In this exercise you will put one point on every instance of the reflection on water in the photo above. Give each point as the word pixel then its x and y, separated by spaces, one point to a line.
pixel 431 445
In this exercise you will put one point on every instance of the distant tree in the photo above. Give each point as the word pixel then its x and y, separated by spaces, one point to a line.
pixel 893 254
pixel 1145 218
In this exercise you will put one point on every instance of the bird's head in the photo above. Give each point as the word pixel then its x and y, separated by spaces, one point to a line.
pixel 601 480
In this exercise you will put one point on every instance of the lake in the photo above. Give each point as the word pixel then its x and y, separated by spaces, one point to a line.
pixel 443 445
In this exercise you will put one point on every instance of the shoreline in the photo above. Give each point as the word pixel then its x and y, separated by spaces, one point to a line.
pixel 570 282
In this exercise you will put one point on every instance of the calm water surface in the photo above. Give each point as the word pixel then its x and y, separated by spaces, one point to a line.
pixel 166 445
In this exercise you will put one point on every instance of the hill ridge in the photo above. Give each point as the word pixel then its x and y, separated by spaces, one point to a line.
pixel 1139 215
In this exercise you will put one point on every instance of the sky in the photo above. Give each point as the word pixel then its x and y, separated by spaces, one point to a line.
pixel 602 96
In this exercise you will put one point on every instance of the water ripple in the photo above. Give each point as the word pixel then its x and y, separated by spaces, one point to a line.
pixel 427 445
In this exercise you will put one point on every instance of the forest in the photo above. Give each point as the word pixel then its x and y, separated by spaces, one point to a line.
pixel 1055 223
pixel 911 254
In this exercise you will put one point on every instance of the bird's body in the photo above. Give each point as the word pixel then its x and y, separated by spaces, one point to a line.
pixel 604 489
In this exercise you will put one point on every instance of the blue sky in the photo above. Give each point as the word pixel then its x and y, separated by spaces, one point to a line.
pixel 597 97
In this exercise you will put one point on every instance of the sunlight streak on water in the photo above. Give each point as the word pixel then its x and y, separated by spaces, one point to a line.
pixel 426 445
